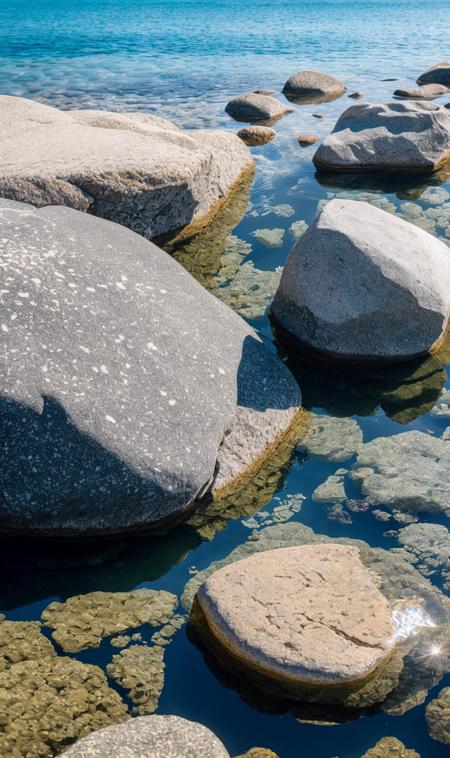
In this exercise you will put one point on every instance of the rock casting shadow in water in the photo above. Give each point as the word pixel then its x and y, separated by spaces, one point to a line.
pixel 404 391
pixel 405 187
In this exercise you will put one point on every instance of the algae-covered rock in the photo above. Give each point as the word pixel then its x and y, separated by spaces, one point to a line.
pixel 84 620
pixel 46 705
pixel 258 752
pixel 140 671
pixel 390 747
pixel 164 635
pixel 22 641
pixel 437 714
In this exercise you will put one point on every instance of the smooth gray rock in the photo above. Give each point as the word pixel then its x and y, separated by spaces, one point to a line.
pixel 133 168
pixel 314 86
pixel 362 284
pixel 437 74
pixel 425 92
pixel 120 377
pixel 256 135
pixel 150 737
pixel 407 137
pixel 254 107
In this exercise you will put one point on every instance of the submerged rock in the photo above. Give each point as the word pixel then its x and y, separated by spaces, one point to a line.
pixel 437 714
pixel 331 438
pixel 332 490
pixel 254 107
pixel 361 284
pixel 256 135
pixel 47 704
pixel 269 237
pixel 258 752
pixel 430 548
pixel 84 620
pixel 317 618
pixel 133 168
pixel 140 671
pixel 22 641
pixel 426 92
pixel 390 747
pixel 408 471
pixel 93 315
pixel 437 74
pixel 155 736
pixel 307 139
pixel 313 86
pixel 408 137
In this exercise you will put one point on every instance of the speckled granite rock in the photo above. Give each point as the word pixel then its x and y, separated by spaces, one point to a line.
pixel 437 714
pixel 22 641
pixel 408 471
pixel 48 704
pixel 408 137
pixel 256 135
pixel 133 168
pixel 83 621
pixel 254 107
pixel 155 736
pixel 390 747
pixel 426 92
pixel 96 315
pixel 437 74
pixel 313 85
pixel 305 605
pixel 361 284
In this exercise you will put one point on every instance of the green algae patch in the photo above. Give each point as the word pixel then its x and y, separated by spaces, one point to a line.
pixel 83 621
pixel 140 671
pixel 47 704
pixel 22 641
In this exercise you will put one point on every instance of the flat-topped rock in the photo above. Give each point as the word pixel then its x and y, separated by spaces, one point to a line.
pixel 136 169
pixel 437 74
pixel 408 471
pixel 122 377
pixel 155 736
pixel 309 615
pixel 313 86
pixel 407 137
pixel 254 107
pixel 331 438
pixel 425 92
pixel 362 284
pixel 256 135
pixel 437 714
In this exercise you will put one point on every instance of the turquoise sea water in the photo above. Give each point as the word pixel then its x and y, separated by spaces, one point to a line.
pixel 184 60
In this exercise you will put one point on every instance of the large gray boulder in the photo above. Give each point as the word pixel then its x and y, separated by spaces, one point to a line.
pixel 437 74
pixel 313 86
pixel 150 737
pixel 253 107
pixel 362 284
pixel 408 137
pixel 133 168
pixel 120 377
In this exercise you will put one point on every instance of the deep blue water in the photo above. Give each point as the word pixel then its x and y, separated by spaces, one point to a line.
pixel 184 60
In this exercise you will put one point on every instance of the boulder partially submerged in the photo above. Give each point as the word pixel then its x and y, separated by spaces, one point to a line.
pixel 137 169
pixel 406 137
pixel 313 86
pixel 121 378
pixel 362 284
pixel 256 135
pixel 437 74
pixel 425 92
pixel 253 107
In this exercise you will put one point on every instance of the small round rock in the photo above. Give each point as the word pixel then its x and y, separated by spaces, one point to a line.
pixel 155 736
pixel 356 95
pixel 307 139
pixel 313 84
pixel 256 135
pixel 254 107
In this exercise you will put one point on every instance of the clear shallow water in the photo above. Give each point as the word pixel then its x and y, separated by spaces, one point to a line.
pixel 184 60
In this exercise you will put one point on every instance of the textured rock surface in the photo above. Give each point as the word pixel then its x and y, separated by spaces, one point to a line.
pixel 155 736
pixel 430 546
pixel 258 752
pixel 256 135
pixel 254 107
pixel 133 375
pixel 437 714
pixel 83 621
pixel 408 471
pixel 390 747
pixel 133 168
pixel 22 641
pixel 426 92
pixel 331 438
pixel 140 671
pixel 307 139
pixel 362 284
pixel 48 704
pixel 437 74
pixel 313 85
pixel 401 136
pixel 305 607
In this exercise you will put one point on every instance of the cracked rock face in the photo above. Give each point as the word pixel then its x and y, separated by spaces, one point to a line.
pixel 136 169
pixel 437 714
pixel 121 378
pixel 407 137
pixel 317 616
pixel 437 74
pixel 155 736
pixel 361 285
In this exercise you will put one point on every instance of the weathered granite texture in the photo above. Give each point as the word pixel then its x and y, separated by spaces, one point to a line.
pixel 120 378
pixel 362 284
pixel 155 736
pixel 136 169
pixel 405 137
